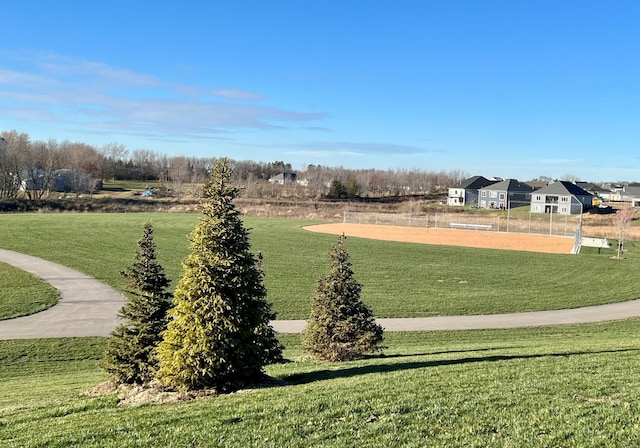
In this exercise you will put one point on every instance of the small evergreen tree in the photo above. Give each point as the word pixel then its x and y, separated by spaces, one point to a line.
pixel 340 327
pixel 220 334
pixel 337 190
pixel 130 356
pixel 352 187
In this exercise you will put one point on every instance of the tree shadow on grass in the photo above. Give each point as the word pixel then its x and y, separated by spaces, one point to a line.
pixel 443 352
pixel 321 375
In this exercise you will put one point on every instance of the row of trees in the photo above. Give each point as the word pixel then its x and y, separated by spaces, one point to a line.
pixel 32 163
pixel 215 331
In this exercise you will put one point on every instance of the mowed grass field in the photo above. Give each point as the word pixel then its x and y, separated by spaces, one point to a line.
pixel 564 386
pixel 400 279
pixel 22 293
pixel 567 386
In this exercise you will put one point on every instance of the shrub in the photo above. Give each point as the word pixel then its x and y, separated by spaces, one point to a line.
pixel 341 327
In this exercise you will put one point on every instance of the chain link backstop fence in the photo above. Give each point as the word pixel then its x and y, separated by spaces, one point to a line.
pixel 542 224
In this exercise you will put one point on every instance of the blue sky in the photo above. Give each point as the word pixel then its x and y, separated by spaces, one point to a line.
pixel 499 88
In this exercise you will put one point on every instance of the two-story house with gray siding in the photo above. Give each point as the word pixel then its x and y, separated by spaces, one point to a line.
pixel 466 193
pixel 506 194
pixel 562 197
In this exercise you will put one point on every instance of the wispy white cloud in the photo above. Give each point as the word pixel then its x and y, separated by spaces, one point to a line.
pixel 96 97
pixel 357 149
pixel 324 154
pixel 235 94
pixel 558 161
pixel 12 78
pixel 96 73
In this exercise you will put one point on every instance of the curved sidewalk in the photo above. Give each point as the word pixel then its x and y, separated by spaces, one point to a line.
pixel 88 307
pixel 587 314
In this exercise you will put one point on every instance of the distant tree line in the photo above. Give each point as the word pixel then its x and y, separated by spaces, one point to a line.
pixel 30 165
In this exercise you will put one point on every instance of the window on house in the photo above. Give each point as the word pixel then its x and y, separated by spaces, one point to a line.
pixel 483 194
pixel 565 199
pixel 483 204
pixel 563 209
pixel 502 195
pixel 493 194
pixel 538 198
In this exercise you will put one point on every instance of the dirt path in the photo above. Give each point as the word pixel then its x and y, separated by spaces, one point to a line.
pixel 452 237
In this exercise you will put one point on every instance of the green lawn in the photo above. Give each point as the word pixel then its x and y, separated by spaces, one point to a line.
pixel 22 293
pixel 567 386
pixel 129 185
pixel 400 279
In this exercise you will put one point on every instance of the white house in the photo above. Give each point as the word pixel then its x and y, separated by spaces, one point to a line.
pixel 562 197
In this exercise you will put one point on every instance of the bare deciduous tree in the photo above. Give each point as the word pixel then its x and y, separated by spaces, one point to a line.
pixel 82 165
pixel 40 161
pixel 11 163
pixel 115 155
pixel 623 218
pixel 179 173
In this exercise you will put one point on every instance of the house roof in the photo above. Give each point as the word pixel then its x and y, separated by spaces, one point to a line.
pixel 509 185
pixel 475 183
pixel 588 186
pixel 564 187
pixel 632 190
pixel 536 184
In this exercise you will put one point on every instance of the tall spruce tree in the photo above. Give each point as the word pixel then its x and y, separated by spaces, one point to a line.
pixel 220 334
pixel 130 354
pixel 340 327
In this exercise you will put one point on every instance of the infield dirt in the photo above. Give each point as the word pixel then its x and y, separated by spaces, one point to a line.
pixel 452 237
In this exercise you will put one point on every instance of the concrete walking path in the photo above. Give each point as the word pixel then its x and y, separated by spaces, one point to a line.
pixel 88 307
pixel 599 313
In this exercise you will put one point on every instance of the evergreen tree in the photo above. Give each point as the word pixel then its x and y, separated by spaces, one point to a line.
pixel 337 190
pixel 220 334
pixel 130 353
pixel 352 187
pixel 340 327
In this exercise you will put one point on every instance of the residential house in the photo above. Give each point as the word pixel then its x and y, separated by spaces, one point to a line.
pixel 466 193
pixel 537 184
pixel 613 191
pixel 34 179
pixel 597 191
pixel 74 181
pixel 631 193
pixel 562 197
pixel 506 194
pixel 63 181
pixel 284 179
